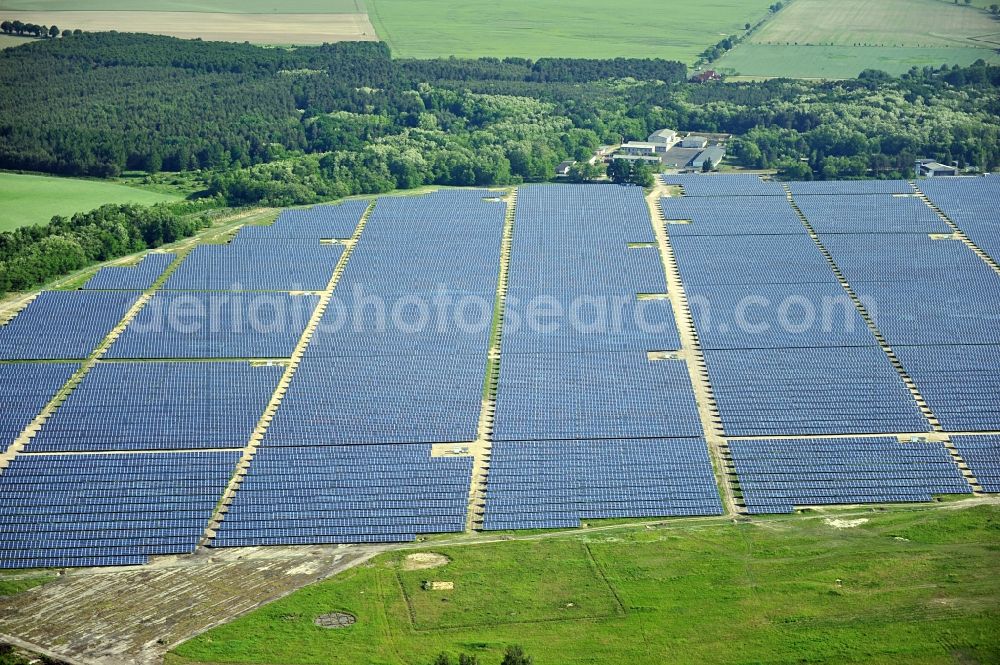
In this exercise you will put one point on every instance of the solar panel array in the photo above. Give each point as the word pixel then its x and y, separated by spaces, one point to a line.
pixel 870 214
pixel 777 475
pixel 347 494
pixel 849 188
pixel 318 222
pixel 216 325
pixel 960 383
pixel 288 264
pixel 730 216
pixel 63 325
pixel 973 204
pixel 347 457
pixel 553 484
pixel 847 390
pixel 586 426
pixel 160 406
pixel 105 510
pixel 724 184
pixel 25 389
pixel 982 454
pixel 132 278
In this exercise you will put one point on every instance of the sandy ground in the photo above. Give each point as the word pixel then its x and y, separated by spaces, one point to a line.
pixel 256 28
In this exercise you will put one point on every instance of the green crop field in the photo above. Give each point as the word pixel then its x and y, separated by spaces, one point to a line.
pixel 898 585
pixel 9 41
pixel 32 199
pixel 226 6
pixel 559 28
pixel 820 39
pixel 838 62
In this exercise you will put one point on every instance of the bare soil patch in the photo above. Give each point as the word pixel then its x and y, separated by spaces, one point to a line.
pixel 424 561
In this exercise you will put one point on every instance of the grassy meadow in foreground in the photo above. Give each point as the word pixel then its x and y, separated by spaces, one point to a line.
pixel 33 199
pixel 899 585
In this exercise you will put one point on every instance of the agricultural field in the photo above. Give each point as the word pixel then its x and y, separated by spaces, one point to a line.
pixel 213 6
pixel 33 199
pixel 873 586
pixel 840 62
pixel 10 41
pixel 224 27
pixel 816 39
pixel 426 29
pixel 556 28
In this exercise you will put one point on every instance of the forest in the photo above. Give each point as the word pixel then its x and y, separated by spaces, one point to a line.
pixel 282 127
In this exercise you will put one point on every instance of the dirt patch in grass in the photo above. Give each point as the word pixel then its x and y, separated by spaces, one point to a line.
pixel 424 561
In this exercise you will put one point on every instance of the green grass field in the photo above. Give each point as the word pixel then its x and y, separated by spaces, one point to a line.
pixel 228 6
pixel 32 199
pixel 838 62
pixel 913 586
pixel 925 23
pixel 821 39
pixel 559 28
pixel 9 41
pixel 8 587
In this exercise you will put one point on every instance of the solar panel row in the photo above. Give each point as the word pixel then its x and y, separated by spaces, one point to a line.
pixel 982 454
pixel 135 278
pixel 552 484
pixel 160 406
pixel 385 493
pixel 973 204
pixel 63 325
pixel 724 184
pixel 318 222
pixel 25 389
pixel 216 325
pixel 74 511
pixel 777 475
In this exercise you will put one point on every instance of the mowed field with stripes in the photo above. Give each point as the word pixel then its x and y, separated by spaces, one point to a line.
pixel 475 362
pixel 816 39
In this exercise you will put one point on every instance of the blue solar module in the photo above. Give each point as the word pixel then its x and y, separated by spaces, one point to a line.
pixel 730 215
pixel 593 396
pixel 777 475
pixel 982 454
pixel 565 268
pixel 380 399
pixel 24 392
pixel 348 494
pixel 318 222
pixel 555 484
pixel 871 214
pixel 728 184
pixel 258 265
pixel 137 278
pixel 849 390
pixel 960 383
pixel 849 187
pixel 902 257
pixel 448 241
pixel 935 312
pixel 439 323
pixel 63 325
pixel 603 213
pixel 758 259
pixel 767 316
pixel 973 204
pixel 156 406
pixel 580 324
pixel 216 325
pixel 437 216
pixel 91 510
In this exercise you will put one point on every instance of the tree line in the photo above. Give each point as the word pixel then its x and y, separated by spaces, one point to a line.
pixel 33 255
